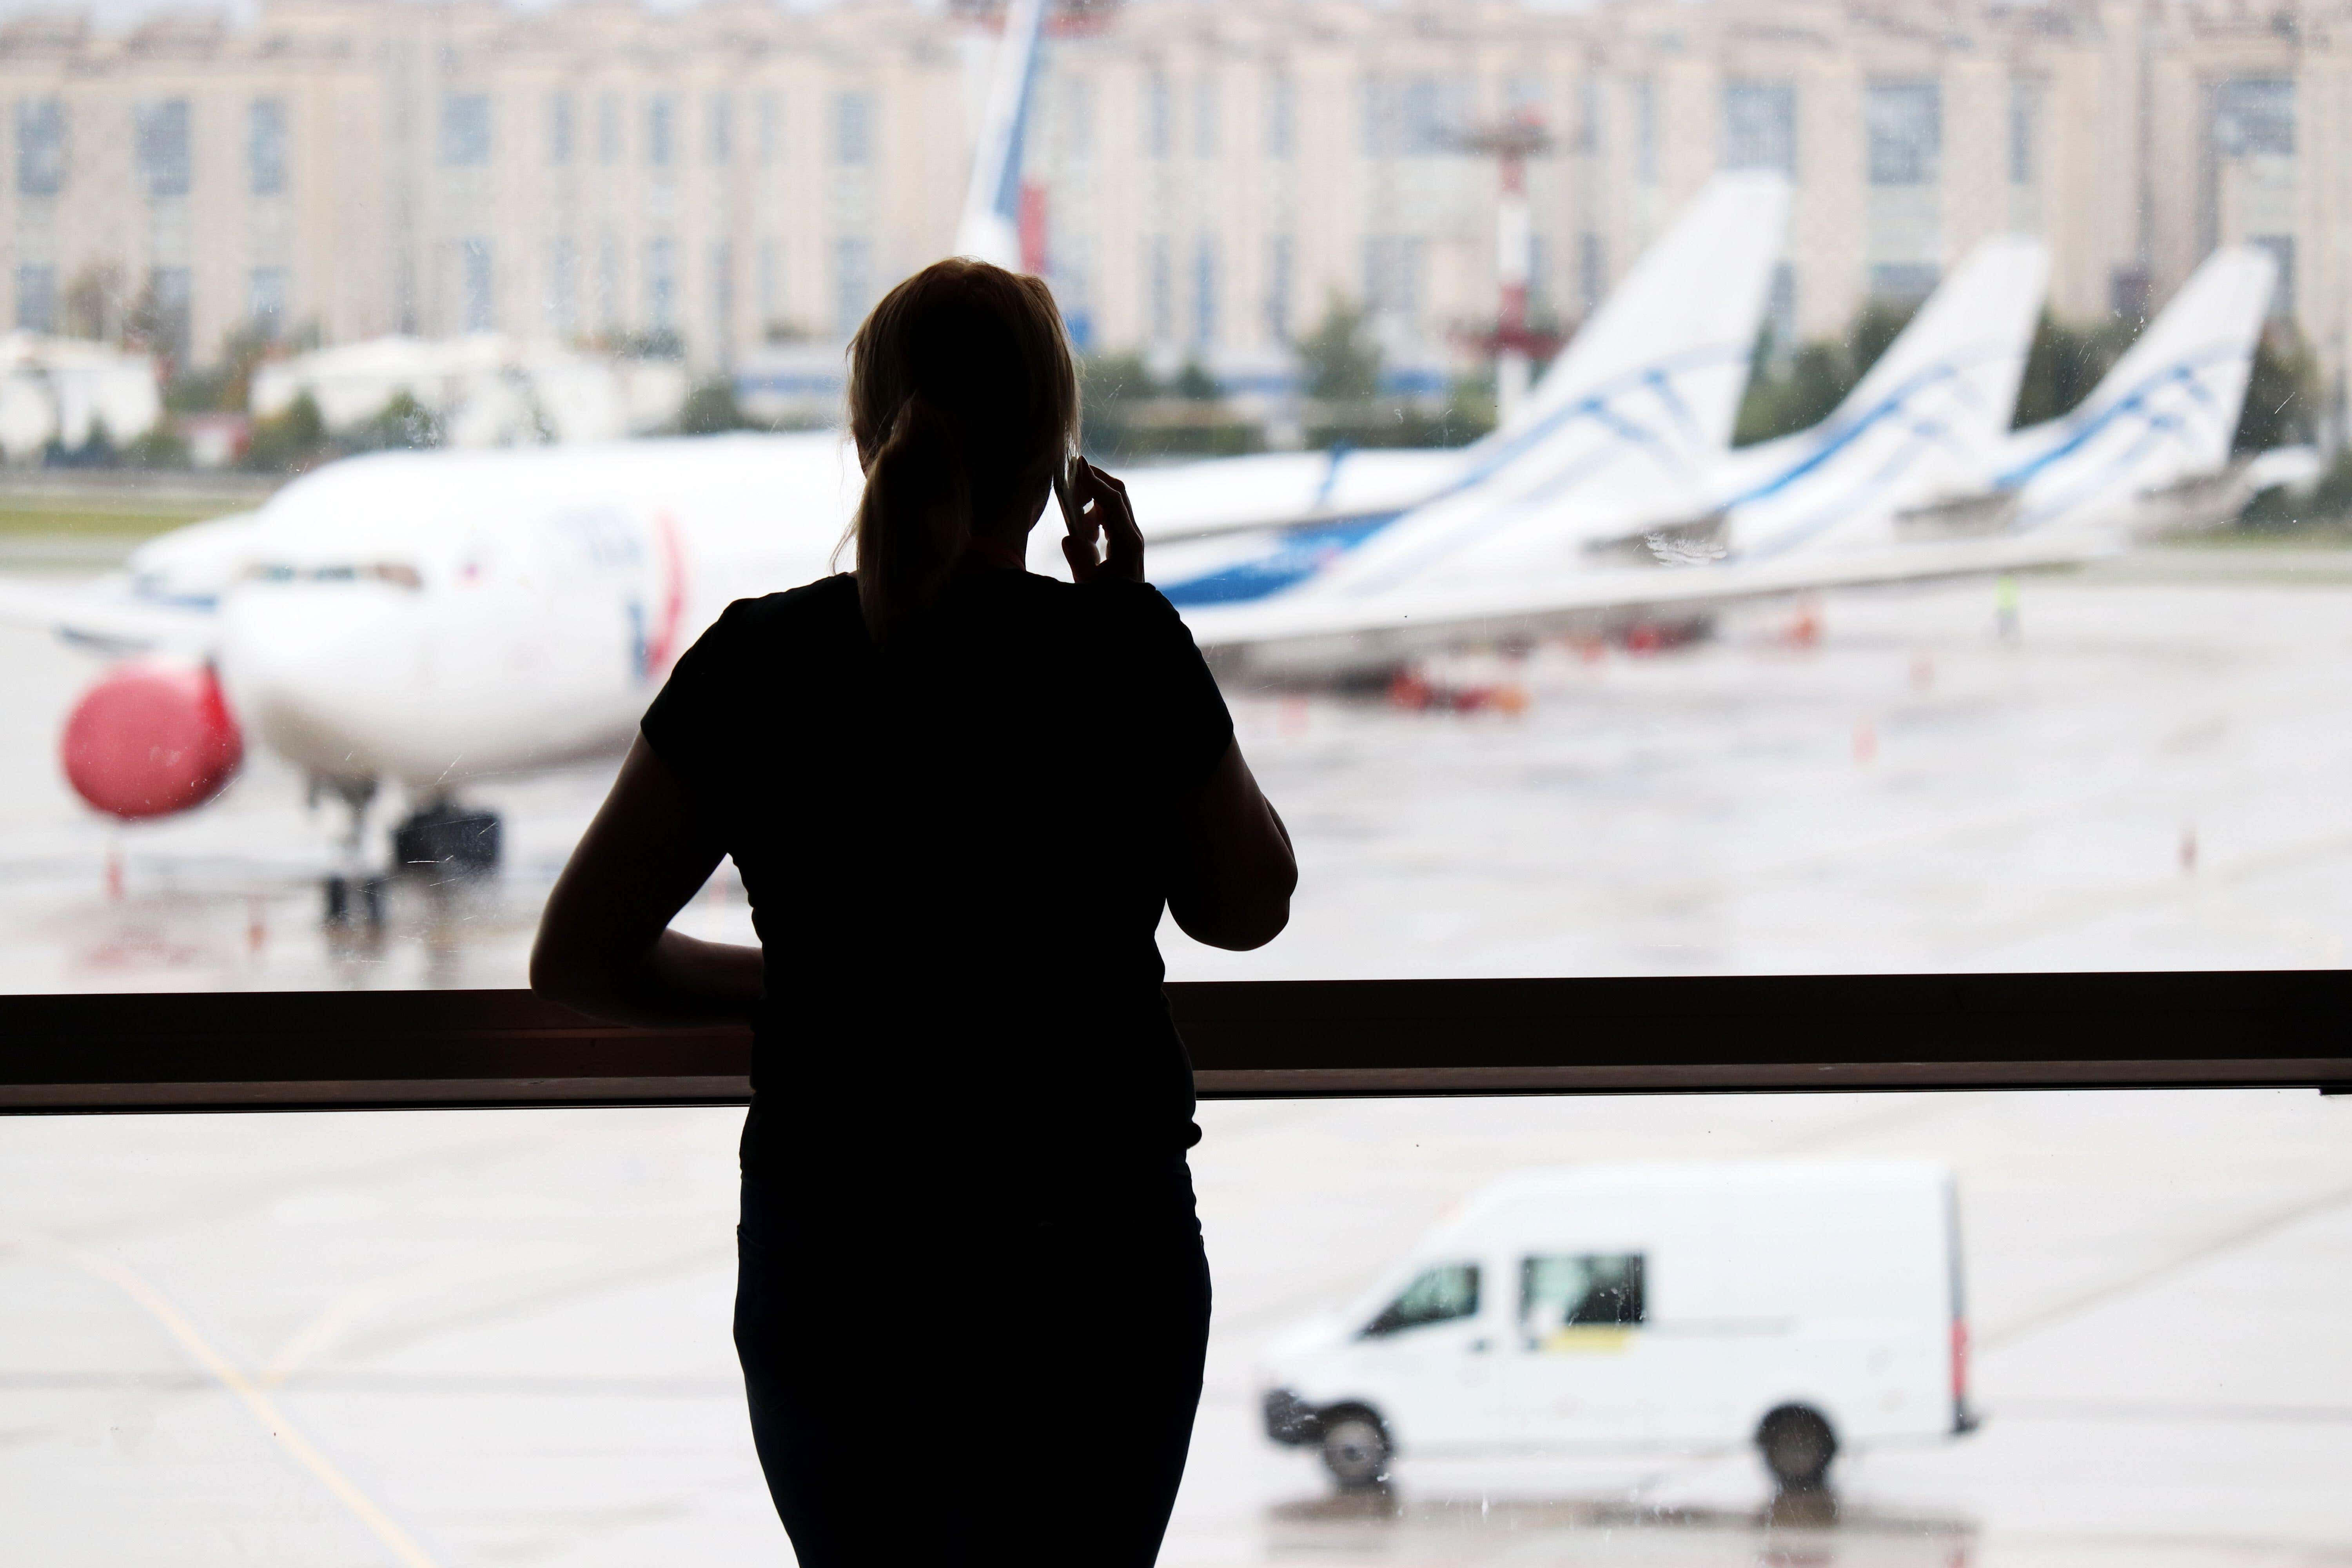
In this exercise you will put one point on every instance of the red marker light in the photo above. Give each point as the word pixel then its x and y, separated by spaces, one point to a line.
pixel 152 738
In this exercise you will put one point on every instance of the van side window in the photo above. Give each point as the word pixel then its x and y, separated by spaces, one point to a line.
pixel 1582 1289
pixel 1436 1295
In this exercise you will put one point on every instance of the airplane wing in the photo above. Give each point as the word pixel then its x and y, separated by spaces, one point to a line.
pixel 2163 418
pixel 990 229
pixel 1624 426
pixel 111 619
pixel 1326 636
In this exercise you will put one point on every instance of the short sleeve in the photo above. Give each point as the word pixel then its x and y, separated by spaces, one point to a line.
pixel 690 724
pixel 1189 725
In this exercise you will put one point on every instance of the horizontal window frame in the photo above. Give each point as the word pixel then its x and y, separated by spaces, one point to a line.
pixel 1249 1039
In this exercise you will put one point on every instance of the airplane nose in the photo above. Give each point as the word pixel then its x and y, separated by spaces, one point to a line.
pixel 301 663
pixel 152 738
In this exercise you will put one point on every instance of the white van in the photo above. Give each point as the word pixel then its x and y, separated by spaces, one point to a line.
pixel 1801 1306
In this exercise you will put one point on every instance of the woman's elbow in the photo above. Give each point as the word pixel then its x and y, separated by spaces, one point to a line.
pixel 561 975
pixel 1237 928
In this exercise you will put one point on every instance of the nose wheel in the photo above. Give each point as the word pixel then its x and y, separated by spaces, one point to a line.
pixel 446 838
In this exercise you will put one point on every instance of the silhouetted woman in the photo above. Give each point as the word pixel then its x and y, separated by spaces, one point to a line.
pixel 973 1303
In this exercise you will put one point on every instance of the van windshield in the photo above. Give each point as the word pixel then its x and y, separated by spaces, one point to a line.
pixel 1436 1295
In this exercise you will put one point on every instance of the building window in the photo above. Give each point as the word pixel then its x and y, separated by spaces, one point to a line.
pixel 1159 289
pixel 1592 270
pixel 1204 291
pixel 608 282
pixel 608 128
pixel 1414 117
pixel 1392 279
pixel 40 146
pixel 559 129
pixel 1279 254
pixel 661 285
pixel 170 293
pixel 721 108
pixel 661 130
pixel 161 146
pixel 2254 117
pixel 1073 273
pixel 465 129
pixel 477 297
pixel 1904 282
pixel 853 129
pixel 266 296
pixel 1281 117
pixel 722 294
pixel 1078 119
pixel 2024 124
pixel 772 286
pixel 853 282
pixel 36 298
pixel 1588 114
pixel 1759 126
pixel 1204 118
pixel 1781 308
pixel 265 146
pixel 563 287
pixel 1904 123
pixel 1159 114
pixel 771 126
pixel 1645 133
pixel 2281 249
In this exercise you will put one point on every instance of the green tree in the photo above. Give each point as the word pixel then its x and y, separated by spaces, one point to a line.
pixel 710 409
pixel 1341 361
pixel 2065 362
pixel 401 423
pixel 289 441
pixel 2282 406
pixel 1195 384
pixel 1786 396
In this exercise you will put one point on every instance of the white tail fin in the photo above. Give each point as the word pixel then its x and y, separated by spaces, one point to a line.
pixel 1630 420
pixel 990 229
pixel 2166 413
pixel 1926 422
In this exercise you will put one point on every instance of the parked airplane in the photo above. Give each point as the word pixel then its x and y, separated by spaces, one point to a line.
pixel 1873 494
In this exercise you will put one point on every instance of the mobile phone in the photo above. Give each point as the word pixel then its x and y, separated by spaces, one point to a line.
pixel 1062 496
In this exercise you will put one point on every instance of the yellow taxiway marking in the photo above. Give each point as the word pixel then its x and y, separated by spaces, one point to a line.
pixel 400 1544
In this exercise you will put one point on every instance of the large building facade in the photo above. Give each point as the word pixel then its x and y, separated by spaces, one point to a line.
pixel 1207 175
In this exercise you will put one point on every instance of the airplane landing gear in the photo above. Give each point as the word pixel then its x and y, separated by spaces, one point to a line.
pixel 353 892
pixel 440 836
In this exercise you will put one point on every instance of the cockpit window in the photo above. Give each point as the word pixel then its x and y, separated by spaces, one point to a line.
pixel 397 574
pixel 1436 1295
pixel 1579 1290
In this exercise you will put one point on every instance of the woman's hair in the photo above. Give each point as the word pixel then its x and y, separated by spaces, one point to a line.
pixel 964 402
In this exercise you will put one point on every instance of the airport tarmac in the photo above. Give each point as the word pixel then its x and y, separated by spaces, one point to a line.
pixel 485 1338
pixel 2148 775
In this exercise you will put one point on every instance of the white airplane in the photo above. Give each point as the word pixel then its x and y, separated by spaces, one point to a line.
pixel 1625 426
pixel 1879 492
pixel 2149 447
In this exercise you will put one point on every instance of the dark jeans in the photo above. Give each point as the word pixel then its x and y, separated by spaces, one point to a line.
pixel 944 1376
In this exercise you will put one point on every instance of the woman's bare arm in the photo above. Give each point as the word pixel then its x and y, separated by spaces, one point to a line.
pixel 604 944
pixel 1236 871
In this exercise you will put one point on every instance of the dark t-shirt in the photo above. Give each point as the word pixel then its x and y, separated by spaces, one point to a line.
pixel 957 853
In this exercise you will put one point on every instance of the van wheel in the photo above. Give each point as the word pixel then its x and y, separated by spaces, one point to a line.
pixel 1355 1448
pixel 1798 1446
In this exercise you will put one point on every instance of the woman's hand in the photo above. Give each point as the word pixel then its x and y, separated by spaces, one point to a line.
pixel 1094 506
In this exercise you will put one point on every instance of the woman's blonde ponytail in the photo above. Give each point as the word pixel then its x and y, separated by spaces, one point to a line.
pixel 915 518
pixel 964 402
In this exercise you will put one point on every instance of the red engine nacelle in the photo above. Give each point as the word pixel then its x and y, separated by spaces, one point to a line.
pixel 150 738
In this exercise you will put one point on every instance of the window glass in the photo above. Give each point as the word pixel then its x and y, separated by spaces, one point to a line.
pixel 1574 1290
pixel 1575 630
pixel 2095 1328
pixel 1438 1295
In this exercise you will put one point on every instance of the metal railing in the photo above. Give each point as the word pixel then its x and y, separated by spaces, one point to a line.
pixel 315 1049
